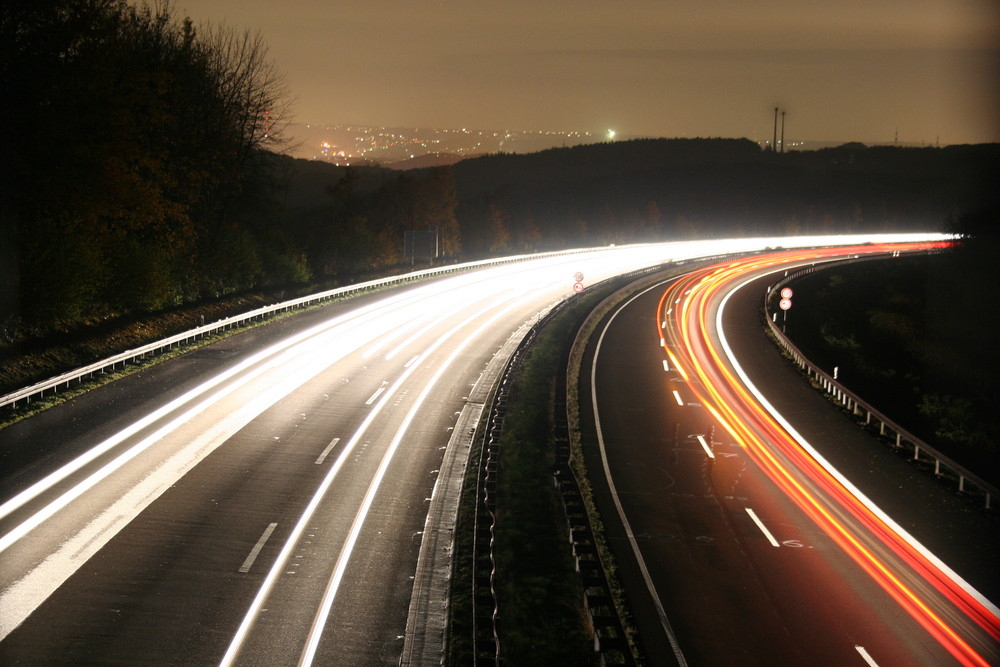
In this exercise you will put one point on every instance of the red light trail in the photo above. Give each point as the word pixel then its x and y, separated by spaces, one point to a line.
pixel 900 567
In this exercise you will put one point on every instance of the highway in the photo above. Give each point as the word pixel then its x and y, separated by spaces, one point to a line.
pixel 740 541
pixel 262 500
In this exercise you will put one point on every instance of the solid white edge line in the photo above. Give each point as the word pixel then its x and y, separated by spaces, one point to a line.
pixel 248 563
pixel 853 490
pixel 664 622
pixel 763 528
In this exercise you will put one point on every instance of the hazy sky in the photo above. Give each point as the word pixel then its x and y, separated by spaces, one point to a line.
pixel 843 70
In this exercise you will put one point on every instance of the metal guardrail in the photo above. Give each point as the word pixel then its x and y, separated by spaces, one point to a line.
pixel 944 467
pixel 53 385
pixel 64 381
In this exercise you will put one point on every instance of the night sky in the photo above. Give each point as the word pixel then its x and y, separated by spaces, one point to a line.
pixel 926 71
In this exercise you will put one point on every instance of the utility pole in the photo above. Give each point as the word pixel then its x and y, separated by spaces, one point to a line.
pixel 774 140
pixel 782 131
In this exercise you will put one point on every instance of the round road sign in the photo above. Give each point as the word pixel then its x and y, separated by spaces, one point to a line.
pixel 577 287
pixel 578 277
pixel 785 304
pixel 786 292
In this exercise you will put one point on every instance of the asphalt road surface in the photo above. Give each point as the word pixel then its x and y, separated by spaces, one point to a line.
pixel 735 547
pixel 262 500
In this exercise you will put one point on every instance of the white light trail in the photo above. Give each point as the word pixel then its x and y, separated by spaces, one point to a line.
pixel 268 584
pixel 319 622
pixel 847 484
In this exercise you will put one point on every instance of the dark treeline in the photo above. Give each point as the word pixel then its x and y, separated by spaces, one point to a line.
pixel 917 338
pixel 703 188
pixel 146 174
pixel 136 161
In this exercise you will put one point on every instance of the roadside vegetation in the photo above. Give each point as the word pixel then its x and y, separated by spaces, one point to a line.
pixel 916 337
pixel 543 619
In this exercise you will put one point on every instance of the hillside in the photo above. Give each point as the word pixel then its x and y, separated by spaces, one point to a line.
pixel 649 189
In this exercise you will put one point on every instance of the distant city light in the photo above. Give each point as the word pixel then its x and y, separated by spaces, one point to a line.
pixel 371 145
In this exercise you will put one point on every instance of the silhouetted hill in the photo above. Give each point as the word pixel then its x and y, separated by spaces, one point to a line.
pixel 669 188
pixel 657 189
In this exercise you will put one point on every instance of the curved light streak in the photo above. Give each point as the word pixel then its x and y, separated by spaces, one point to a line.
pixel 852 521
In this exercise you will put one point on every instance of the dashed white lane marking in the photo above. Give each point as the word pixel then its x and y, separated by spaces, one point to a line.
pixel 763 528
pixel 864 654
pixel 677 397
pixel 329 448
pixel 378 392
pixel 708 450
pixel 248 563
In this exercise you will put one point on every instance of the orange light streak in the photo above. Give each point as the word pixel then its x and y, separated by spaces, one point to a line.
pixel 832 507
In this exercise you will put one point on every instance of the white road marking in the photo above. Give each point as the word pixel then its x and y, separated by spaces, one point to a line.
pixel 248 563
pixel 378 392
pixel 664 622
pixel 708 450
pixel 410 362
pixel 867 502
pixel 677 397
pixel 311 508
pixel 329 448
pixel 763 528
pixel 864 654
pixel 666 366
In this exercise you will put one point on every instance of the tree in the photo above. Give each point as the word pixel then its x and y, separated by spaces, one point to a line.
pixel 135 148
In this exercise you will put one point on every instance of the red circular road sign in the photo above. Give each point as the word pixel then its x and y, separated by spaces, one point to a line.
pixel 577 287
pixel 578 277
pixel 786 293
pixel 785 304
